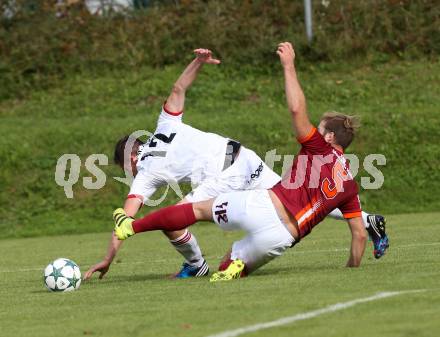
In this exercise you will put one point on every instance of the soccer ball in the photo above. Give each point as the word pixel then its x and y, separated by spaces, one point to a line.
pixel 62 275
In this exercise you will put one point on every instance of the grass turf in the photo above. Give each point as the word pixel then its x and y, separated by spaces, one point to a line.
pixel 137 299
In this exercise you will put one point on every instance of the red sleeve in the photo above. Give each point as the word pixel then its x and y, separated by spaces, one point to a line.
pixel 352 208
pixel 314 143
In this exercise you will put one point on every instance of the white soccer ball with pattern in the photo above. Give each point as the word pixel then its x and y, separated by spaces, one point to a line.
pixel 62 275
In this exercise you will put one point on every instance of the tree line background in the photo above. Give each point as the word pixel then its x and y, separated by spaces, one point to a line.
pixel 43 41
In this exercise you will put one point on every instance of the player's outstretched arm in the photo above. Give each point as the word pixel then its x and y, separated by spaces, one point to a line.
pixel 176 100
pixel 296 100
pixel 131 207
pixel 358 241
pixel 103 266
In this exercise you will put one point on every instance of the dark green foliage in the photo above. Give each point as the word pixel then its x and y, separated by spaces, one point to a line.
pixel 43 43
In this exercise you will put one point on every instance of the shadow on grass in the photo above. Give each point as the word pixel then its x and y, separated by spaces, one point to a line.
pixel 139 278
pixel 294 269
pixel 41 291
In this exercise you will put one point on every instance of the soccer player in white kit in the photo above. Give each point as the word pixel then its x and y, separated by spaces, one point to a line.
pixel 179 153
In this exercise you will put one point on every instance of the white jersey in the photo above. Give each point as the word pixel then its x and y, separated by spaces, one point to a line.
pixel 177 153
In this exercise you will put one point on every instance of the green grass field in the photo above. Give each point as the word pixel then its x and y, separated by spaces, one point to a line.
pixel 137 299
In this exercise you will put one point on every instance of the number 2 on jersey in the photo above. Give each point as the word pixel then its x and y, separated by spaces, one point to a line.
pixel 160 136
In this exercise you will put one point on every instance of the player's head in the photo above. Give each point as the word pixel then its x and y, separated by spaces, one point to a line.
pixel 338 129
pixel 128 163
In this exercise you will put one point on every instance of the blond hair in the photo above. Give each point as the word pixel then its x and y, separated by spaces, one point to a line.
pixel 343 126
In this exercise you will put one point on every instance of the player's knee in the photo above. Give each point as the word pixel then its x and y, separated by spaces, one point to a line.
pixel 174 235
pixel 203 210
pixel 363 236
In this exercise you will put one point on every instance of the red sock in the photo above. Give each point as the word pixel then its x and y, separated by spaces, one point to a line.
pixel 170 218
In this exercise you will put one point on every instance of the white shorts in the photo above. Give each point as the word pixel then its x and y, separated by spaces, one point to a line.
pixel 248 172
pixel 252 211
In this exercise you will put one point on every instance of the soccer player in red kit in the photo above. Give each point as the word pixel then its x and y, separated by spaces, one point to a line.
pixel 277 219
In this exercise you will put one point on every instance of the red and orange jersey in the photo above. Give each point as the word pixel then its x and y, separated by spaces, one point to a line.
pixel 319 182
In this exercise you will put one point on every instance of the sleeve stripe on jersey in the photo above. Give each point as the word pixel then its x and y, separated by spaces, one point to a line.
pixel 352 215
pixel 170 112
pixel 136 196
pixel 306 214
pixel 302 212
pixel 306 138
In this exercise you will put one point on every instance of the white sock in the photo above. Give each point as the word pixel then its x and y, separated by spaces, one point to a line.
pixel 337 214
pixel 187 246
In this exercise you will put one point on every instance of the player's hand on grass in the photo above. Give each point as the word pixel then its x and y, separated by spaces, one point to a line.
pixel 101 267
pixel 286 53
pixel 205 56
